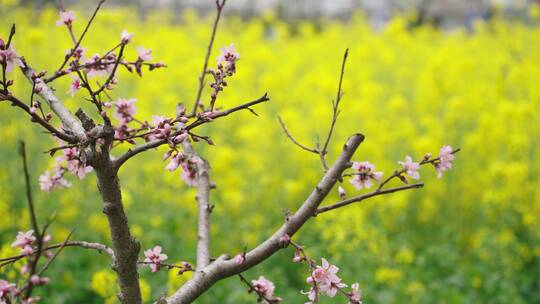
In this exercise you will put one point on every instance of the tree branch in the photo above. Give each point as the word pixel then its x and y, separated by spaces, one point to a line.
pixel 38 119
pixel 156 143
pixel 204 207
pixel 68 120
pixel 366 196
pixel 205 278
pixel 82 244
pixel 126 247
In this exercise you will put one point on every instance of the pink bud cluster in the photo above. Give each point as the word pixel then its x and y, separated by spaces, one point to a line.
pixel 154 258
pixel 410 167
pixel 70 162
pixel 226 66
pixel 24 240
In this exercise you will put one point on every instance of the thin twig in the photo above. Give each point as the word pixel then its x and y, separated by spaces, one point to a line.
pixel 312 150
pixel 219 7
pixel 39 235
pixel 335 112
pixel 22 151
pixel 49 262
pixel 111 76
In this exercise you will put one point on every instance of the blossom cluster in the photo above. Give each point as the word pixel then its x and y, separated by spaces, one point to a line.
pixel 28 244
pixel 324 280
pixel 70 162
pixel 98 65
pixel 365 175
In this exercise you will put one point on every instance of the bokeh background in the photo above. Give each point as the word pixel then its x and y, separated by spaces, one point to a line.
pixel 420 74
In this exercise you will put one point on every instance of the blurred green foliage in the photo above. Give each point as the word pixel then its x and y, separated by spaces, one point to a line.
pixel 471 237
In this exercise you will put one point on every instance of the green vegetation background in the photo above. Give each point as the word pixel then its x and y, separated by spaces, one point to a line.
pixel 471 237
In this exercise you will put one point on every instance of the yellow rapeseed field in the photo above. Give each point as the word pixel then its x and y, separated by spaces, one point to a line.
pixel 471 237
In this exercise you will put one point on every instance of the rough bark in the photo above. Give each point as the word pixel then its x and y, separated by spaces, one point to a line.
pixel 126 247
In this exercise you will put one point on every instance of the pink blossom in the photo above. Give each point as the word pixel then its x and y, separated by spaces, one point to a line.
pixel 354 295
pixel 161 128
pixel 189 172
pixel 100 67
pixel 326 279
pixel 27 250
pixel 74 165
pixel 126 37
pixel 24 239
pixel 79 52
pixel 66 18
pixel 175 161
pixel 25 268
pixel 446 157
pixel 154 257
pixel 312 294
pixel 365 175
pixel 180 138
pixel 411 167
pixel 48 182
pixel 10 58
pixel 124 110
pixel 264 287
pixel 227 59
pixel 6 288
pixel 74 86
pixel 144 54
pixel 122 132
